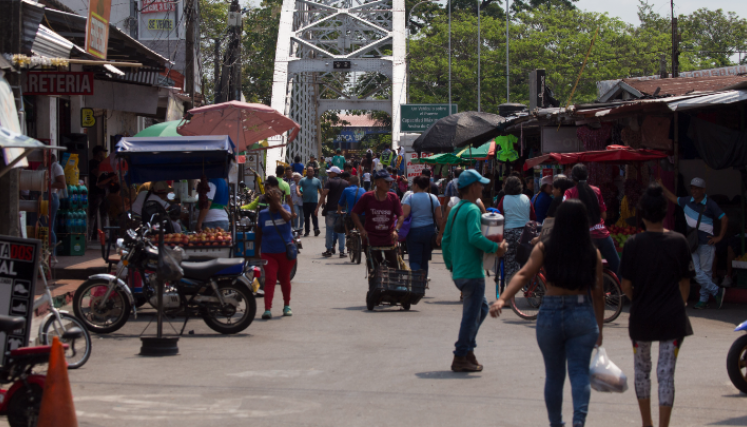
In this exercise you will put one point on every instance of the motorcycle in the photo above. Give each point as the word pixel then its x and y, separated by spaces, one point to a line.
pixel 736 360
pixel 22 401
pixel 217 290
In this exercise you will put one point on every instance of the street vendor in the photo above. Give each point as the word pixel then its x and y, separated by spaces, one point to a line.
pixel 158 191
pixel 215 216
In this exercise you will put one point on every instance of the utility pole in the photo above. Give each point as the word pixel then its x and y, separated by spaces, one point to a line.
pixel 450 110
pixel 508 91
pixel 234 22
pixel 216 72
pixel 189 61
pixel 675 44
pixel 479 42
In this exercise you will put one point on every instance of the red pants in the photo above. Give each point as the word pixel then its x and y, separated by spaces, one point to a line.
pixel 278 268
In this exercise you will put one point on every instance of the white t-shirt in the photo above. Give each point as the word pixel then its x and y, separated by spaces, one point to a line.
pixel 214 214
pixel 453 201
pixel 137 205
pixel 56 171
pixel 366 177
pixel 377 164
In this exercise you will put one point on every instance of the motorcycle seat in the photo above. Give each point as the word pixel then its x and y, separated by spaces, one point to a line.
pixel 204 270
pixel 10 323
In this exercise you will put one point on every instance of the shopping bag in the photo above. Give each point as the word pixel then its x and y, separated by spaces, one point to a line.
pixel 605 375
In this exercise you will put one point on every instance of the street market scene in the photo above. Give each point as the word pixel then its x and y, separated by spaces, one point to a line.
pixel 363 212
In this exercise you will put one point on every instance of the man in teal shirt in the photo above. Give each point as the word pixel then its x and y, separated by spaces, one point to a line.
pixel 463 246
pixel 339 160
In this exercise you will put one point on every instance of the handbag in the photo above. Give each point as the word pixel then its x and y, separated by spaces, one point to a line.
pixel 291 251
pixel 405 229
pixel 524 250
pixel 692 235
pixel 434 239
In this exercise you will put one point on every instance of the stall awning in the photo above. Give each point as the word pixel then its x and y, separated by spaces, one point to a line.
pixel 442 159
pixel 184 157
pixel 483 152
pixel 613 154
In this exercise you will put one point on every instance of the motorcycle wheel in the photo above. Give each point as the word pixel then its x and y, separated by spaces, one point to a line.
pixel 736 363
pixel 107 319
pixel 231 320
pixel 23 407
pixel 79 349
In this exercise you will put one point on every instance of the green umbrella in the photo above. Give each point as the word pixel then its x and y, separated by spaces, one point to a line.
pixel 161 129
pixel 441 159
pixel 482 152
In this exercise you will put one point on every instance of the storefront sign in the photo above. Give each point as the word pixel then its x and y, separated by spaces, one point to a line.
pixel 419 117
pixel 62 83
pixel 160 24
pixel 97 27
pixel 157 6
pixel 87 120
pixel 414 169
pixel 19 265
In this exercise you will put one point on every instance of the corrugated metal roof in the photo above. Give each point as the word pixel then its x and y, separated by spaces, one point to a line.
pixel 50 44
pixel 684 85
pixel 32 17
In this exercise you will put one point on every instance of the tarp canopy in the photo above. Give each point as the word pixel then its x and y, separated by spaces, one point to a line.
pixel 167 158
pixel 613 154
pixel 442 159
pixel 483 152
pixel 718 146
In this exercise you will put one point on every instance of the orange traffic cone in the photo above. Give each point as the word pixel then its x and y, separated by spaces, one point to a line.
pixel 57 408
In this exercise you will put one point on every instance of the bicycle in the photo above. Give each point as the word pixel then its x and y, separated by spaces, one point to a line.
pixel 353 241
pixel 58 322
pixel 527 306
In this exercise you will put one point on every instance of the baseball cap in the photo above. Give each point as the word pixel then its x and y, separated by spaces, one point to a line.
pixel 334 169
pixel 382 174
pixel 471 176
pixel 698 182
pixel 296 174
pixel 160 187
pixel 546 180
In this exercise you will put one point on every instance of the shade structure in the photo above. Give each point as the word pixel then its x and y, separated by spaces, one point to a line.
pixel 483 152
pixel 441 159
pixel 459 130
pixel 613 154
pixel 245 123
pixel 160 159
pixel 161 129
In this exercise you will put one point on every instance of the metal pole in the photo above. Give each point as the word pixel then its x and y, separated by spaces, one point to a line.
pixel 449 56
pixel 479 42
pixel 508 91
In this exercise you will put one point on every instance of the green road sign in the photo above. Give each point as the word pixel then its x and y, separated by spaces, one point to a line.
pixel 419 117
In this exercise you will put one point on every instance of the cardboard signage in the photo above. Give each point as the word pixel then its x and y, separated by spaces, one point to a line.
pixel 19 266
pixel 157 6
pixel 414 169
pixel 58 83
pixel 97 27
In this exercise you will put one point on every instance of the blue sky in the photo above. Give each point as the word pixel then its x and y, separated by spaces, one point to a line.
pixel 626 9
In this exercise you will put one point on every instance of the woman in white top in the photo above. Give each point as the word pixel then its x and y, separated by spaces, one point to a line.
pixel 367 180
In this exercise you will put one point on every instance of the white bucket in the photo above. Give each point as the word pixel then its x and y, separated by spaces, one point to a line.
pixel 28 205
pixel 33 180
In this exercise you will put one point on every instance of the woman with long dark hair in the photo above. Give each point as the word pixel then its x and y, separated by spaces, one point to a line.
pixel 570 319
pixel 656 270
pixel 596 212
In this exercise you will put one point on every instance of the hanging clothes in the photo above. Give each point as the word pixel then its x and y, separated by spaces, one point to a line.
pixel 507 153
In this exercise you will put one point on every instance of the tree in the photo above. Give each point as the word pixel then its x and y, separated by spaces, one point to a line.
pixel 213 17
pixel 710 38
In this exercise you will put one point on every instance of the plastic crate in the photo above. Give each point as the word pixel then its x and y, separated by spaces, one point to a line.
pixel 249 251
pixel 72 245
pixel 404 281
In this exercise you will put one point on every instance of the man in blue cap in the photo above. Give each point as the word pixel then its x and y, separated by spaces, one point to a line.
pixel 463 246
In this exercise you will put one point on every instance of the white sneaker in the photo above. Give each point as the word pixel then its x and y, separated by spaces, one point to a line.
pixel 727 282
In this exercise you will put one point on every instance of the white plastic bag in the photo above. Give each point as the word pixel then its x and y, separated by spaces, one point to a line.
pixel 605 375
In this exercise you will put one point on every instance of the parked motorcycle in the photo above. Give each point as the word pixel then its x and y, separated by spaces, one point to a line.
pixel 216 290
pixel 21 402
pixel 736 360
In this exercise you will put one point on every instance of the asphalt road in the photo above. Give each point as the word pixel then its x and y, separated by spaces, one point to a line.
pixel 335 364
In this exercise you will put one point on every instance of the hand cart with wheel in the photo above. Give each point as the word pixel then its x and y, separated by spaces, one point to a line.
pixel 393 286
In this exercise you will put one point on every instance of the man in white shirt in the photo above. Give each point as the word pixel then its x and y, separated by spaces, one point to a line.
pixel 158 192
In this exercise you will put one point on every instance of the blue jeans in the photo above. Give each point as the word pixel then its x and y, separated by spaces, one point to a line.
pixel 419 247
pixel 474 310
pixel 298 221
pixel 215 224
pixel 606 247
pixel 703 261
pixel 567 331
pixel 330 232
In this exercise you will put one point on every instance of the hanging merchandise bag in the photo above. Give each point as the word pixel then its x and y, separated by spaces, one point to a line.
pixel 605 375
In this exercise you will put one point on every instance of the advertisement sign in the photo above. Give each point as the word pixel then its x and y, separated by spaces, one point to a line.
pixel 419 117
pixel 97 27
pixel 87 119
pixel 161 20
pixel 58 83
pixel 158 6
pixel 19 265
pixel 413 169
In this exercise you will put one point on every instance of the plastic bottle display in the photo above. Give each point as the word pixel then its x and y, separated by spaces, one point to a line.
pixel 83 196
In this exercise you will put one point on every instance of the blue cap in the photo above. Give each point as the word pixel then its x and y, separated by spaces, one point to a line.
pixel 382 174
pixel 471 176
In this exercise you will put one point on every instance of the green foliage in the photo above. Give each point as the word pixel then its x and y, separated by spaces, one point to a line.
pixel 712 37
pixel 259 43
pixel 213 16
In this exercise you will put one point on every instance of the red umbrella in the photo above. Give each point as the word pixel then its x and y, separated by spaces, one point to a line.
pixel 613 154
pixel 244 123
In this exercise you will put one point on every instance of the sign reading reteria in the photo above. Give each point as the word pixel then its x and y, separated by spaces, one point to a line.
pixel 419 117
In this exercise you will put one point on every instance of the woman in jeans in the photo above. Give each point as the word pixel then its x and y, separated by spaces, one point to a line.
pixel 426 215
pixel 597 212
pixel 517 210
pixel 570 319
pixel 656 270
pixel 273 232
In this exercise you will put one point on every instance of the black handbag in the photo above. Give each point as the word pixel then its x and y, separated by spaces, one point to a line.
pixel 291 251
pixel 692 235
pixel 434 239
pixel 524 250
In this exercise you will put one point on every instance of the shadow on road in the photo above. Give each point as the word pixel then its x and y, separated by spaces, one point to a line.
pixel 445 375
pixel 380 309
pixel 444 302
pixel 738 421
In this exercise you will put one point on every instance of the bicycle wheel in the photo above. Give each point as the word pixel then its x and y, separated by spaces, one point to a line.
pixel 79 349
pixel 527 302
pixel 354 248
pixel 613 297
